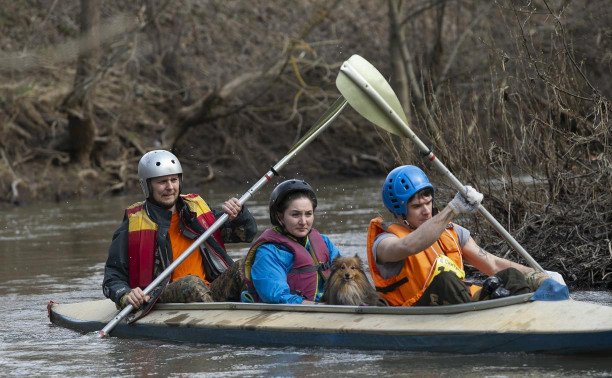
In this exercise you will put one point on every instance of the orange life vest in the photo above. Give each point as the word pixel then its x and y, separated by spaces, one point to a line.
pixel 407 287
pixel 142 233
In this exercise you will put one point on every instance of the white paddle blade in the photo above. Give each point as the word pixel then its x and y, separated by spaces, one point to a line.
pixel 357 77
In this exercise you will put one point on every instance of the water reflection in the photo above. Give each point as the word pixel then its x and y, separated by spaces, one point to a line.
pixel 56 252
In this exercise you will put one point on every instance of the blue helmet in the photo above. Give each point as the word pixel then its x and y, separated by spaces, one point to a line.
pixel 400 185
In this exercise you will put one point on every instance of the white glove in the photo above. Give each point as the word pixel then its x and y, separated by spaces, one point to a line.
pixel 467 204
pixel 556 276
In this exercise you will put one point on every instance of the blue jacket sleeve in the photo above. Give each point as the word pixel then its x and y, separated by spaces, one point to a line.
pixel 333 251
pixel 269 274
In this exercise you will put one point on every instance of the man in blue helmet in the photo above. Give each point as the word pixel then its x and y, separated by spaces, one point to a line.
pixel 157 230
pixel 418 259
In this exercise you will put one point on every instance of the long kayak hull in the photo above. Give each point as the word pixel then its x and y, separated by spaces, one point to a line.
pixel 510 325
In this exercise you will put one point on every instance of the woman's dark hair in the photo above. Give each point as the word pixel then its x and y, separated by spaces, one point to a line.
pixel 293 196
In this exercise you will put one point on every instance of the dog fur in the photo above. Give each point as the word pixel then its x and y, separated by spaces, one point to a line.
pixel 348 284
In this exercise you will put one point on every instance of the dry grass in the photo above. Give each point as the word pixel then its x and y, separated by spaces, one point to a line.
pixel 531 129
pixel 516 90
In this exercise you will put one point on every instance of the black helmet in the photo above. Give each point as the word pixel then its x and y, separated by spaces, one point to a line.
pixel 282 190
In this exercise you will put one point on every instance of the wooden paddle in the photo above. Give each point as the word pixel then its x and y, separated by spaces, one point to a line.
pixel 367 91
pixel 326 119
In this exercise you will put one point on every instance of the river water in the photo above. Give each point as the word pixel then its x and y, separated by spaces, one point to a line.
pixel 56 251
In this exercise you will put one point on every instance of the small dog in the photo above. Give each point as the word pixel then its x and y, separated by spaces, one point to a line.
pixel 348 284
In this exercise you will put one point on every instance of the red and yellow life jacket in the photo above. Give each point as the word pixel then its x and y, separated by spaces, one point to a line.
pixel 142 234
pixel 408 286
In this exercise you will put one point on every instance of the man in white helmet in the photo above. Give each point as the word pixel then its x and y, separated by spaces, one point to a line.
pixel 158 230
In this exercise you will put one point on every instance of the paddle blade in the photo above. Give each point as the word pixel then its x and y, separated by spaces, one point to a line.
pixel 357 93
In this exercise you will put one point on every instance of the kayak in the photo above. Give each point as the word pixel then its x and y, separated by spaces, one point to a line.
pixel 512 324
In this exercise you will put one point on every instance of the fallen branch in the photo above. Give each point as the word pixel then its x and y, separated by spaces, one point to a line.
pixel 16 179
pixel 14 191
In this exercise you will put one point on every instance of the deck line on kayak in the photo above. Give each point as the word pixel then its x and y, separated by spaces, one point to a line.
pixel 425 310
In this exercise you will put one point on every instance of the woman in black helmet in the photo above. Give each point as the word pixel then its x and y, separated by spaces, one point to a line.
pixel 289 262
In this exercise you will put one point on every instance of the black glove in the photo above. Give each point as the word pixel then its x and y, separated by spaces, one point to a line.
pixel 493 288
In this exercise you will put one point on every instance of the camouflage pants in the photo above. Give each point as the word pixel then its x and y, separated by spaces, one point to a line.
pixel 445 289
pixel 186 289
pixel 226 288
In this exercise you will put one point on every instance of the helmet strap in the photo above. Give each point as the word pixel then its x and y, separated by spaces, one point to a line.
pixel 302 241
pixel 280 224
pixel 283 230
pixel 406 223
pixel 163 206
pixel 153 201
pixel 150 189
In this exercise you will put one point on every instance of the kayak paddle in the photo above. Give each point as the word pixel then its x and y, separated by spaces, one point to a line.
pixel 367 91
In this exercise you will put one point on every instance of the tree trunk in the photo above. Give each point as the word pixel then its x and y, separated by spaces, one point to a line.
pixel 417 95
pixel 435 55
pixel 399 79
pixel 78 106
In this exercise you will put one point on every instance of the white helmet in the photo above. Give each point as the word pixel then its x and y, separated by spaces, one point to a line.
pixel 155 164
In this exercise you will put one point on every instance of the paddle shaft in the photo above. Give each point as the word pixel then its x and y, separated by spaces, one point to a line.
pixel 336 109
pixel 360 81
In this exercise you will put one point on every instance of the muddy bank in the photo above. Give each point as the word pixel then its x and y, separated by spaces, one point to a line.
pixel 497 90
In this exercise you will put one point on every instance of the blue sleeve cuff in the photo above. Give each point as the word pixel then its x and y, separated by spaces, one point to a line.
pixel 333 251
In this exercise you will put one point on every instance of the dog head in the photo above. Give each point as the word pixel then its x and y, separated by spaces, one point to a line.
pixel 347 268
pixel 348 284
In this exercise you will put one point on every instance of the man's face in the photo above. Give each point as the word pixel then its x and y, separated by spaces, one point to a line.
pixel 418 210
pixel 165 190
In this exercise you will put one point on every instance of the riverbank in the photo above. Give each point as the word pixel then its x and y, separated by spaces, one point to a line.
pixel 557 242
pixel 230 86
